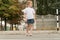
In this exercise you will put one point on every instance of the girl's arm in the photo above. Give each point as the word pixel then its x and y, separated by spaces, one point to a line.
pixel 25 19
pixel 34 17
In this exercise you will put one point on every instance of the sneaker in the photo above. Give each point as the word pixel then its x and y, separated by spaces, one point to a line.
pixel 27 34
pixel 30 34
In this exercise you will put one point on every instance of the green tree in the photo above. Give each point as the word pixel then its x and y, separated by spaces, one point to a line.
pixel 45 7
pixel 9 10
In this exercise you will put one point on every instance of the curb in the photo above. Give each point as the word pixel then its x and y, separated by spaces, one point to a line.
pixel 23 32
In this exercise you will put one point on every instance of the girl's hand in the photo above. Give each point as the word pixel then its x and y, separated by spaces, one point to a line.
pixel 25 19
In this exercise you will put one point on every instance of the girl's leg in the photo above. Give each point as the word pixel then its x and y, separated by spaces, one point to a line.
pixel 31 28
pixel 27 29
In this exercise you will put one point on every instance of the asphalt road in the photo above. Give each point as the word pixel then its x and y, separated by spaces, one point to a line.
pixel 37 36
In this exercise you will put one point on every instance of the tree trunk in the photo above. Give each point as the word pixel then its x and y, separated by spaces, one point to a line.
pixel 1 28
pixel 5 28
pixel 11 28
pixel 1 24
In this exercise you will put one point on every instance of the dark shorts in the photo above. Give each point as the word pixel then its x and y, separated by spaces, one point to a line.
pixel 30 21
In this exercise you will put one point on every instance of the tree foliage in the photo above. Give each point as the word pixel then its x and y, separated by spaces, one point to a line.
pixel 10 11
pixel 47 6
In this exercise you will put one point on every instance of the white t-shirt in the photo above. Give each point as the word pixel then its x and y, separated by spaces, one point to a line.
pixel 29 12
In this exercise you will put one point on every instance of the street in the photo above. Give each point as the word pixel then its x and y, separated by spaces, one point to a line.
pixel 36 36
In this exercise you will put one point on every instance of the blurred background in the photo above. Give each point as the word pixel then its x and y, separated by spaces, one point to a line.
pixel 11 17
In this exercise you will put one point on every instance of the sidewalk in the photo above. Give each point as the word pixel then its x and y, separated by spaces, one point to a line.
pixel 23 32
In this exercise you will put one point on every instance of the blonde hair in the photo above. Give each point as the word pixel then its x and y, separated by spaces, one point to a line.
pixel 29 2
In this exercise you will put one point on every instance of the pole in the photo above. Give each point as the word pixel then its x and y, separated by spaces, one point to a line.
pixel 35 7
pixel 57 20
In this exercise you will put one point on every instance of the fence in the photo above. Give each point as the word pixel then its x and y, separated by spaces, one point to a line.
pixel 47 22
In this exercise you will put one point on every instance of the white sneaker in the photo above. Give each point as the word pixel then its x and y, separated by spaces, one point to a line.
pixel 27 34
pixel 30 34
